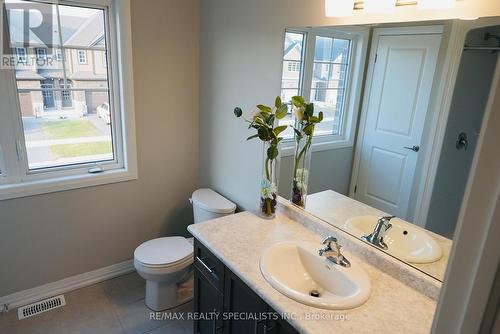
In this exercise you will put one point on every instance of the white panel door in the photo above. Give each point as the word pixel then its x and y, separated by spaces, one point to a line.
pixel 402 79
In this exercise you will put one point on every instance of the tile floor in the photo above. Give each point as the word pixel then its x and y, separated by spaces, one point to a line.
pixel 111 307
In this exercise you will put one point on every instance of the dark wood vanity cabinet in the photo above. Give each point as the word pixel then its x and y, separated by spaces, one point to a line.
pixel 240 310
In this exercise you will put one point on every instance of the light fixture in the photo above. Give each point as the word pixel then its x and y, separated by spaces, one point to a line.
pixel 469 18
pixel 380 6
pixel 339 8
pixel 436 4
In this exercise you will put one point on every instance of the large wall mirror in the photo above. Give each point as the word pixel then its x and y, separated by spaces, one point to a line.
pixel 403 106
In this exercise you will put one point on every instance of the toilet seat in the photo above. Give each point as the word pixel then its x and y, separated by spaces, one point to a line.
pixel 168 252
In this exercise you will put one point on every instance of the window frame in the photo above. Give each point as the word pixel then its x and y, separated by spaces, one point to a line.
pixel 84 60
pixel 24 58
pixel 42 55
pixel 356 67
pixel 58 55
pixel 18 180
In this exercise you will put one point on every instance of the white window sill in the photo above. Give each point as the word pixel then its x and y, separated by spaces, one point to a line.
pixel 38 187
pixel 287 149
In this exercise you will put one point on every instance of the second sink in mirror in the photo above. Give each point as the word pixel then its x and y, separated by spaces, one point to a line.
pixel 404 241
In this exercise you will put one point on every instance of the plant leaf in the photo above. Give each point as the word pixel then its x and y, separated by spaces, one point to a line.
pixel 272 152
pixel 297 101
pixel 252 137
pixel 279 129
pixel 270 119
pixel 263 133
pixel 297 133
pixel 320 117
pixel 309 109
pixel 264 108
pixel 309 130
pixel 238 112
pixel 277 102
pixel 281 111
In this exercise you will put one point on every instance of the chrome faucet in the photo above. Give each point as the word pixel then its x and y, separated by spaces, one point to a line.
pixel 333 255
pixel 377 236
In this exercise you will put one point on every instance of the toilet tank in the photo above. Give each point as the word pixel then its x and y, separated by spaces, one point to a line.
pixel 207 204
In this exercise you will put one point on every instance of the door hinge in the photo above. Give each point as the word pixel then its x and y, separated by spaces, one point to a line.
pixel 376 56
pixel 355 188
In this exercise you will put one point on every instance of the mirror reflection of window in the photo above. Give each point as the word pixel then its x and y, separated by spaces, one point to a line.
pixel 316 66
pixel 291 81
pixel 329 80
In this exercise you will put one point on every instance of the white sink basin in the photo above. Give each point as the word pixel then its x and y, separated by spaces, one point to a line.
pixel 295 269
pixel 404 241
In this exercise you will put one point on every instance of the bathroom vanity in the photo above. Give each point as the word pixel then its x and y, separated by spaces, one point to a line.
pixel 229 281
pixel 219 291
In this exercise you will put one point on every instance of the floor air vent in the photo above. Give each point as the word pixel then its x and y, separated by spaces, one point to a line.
pixel 40 307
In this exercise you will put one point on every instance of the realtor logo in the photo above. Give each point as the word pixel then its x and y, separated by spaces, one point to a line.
pixel 30 25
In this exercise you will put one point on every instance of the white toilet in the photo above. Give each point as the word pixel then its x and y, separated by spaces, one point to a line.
pixel 165 263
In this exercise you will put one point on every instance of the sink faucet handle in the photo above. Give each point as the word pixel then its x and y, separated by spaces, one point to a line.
pixel 387 218
pixel 328 240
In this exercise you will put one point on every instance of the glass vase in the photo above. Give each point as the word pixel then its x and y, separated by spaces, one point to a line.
pixel 300 170
pixel 269 183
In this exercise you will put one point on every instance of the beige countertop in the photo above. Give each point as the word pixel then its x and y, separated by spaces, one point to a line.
pixel 393 306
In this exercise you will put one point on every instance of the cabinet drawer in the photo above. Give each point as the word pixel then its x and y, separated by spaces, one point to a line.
pixel 209 266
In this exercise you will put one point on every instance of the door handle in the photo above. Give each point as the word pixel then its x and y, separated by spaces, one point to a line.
pixel 462 141
pixel 414 148
pixel 215 329
pixel 201 261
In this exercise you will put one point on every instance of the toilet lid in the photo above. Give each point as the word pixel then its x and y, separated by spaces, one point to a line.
pixel 163 251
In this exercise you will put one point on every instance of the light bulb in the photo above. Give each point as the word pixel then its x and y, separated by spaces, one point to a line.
pixel 380 6
pixel 436 4
pixel 339 8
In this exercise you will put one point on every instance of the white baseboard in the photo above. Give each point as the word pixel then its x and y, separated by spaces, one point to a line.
pixel 32 295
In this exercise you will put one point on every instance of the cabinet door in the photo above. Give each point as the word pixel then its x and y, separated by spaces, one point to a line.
pixel 280 326
pixel 240 300
pixel 207 300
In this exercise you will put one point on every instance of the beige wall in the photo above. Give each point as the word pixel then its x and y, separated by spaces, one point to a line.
pixel 49 237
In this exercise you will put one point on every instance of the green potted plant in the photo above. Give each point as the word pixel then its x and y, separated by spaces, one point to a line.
pixel 264 119
pixel 305 123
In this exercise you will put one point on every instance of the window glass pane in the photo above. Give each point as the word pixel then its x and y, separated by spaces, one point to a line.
pixel 82 27
pixel 321 72
pixel 330 102
pixel 341 50
pixel 323 49
pixel 338 76
pixel 291 80
pixel 66 127
pixel 64 94
pixel 92 73
pixel 40 15
pixel 293 46
pixel 329 81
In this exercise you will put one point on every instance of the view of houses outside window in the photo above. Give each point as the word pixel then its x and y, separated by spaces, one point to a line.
pixel 63 89
pixel 328 78
pixel 329 82
pixel 291 81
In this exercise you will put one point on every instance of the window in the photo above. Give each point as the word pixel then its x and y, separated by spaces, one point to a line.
pixel 41 53
pixel 293 66
pixel 58 55
pixel 82 57
pixel 329 82
pixel 322 72
pixel 291 80
pixel 54 138
pixel 21 55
